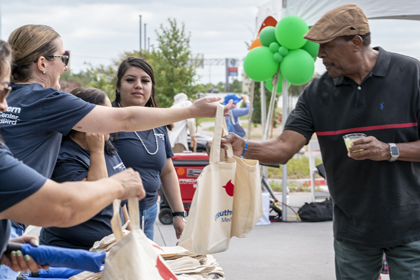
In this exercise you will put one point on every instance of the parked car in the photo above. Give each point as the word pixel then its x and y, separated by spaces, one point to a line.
pixel 213 90
pixel 201 142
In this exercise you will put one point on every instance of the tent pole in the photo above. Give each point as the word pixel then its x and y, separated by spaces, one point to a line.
pixel 251 104
pixel 264 169
pixel 272 105
pixel 284 166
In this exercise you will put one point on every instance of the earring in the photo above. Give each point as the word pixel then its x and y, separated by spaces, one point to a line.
pixel 44 71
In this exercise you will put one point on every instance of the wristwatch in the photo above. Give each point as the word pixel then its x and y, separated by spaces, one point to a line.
pixel 395 153
pixel 182 214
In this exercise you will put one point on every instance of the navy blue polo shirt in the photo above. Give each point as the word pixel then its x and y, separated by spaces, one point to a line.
pixel 73 165
pixel 35 120
pixel 134 155
pixel 376 203
pixel 18 181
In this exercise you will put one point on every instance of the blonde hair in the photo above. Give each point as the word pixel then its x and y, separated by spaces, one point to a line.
pixel 28 43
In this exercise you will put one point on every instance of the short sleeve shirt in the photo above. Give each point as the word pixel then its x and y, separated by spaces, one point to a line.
pixel 376 203
pixel 18 181
pixel 133 153
pixel 35 120
pixel 73 165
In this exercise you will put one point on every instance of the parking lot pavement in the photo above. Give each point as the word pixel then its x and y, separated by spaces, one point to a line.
pixel 285 250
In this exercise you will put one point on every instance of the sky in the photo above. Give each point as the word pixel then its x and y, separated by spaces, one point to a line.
pixel 98 31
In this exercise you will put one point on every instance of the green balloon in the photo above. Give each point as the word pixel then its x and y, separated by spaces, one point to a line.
pixel 274 47
pixel 259 64
pixel 283 51
pixel 277 57
pixel 312 48
pixel 297 67
pixel 290 31
pixel 268 35
pixel 269 84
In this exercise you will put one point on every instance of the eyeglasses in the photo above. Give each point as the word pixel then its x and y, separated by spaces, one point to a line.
pixel 64 58
pixel 4 92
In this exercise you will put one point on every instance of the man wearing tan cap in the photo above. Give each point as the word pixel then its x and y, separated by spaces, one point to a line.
pixel 376 191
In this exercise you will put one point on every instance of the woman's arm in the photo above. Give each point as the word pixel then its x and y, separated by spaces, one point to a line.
pixel 96 146
pixel 239 112
pixel 170 187
pixel 72 203
pixel 136 118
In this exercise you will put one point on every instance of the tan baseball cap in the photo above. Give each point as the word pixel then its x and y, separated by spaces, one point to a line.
pixel 345 20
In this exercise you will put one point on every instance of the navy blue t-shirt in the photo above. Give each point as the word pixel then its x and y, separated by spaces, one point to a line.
pixel 134 155
pixel 35 120
pixel 73 165
pixel 18 181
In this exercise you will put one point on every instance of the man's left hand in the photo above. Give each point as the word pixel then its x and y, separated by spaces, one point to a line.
pixel 372 149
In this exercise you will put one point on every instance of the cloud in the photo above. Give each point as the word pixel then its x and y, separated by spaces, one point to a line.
pixel 97 31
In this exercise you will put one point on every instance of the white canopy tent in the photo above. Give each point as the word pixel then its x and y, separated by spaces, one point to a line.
pixel 311 11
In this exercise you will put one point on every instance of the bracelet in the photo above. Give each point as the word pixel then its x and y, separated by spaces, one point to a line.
pixel 246 147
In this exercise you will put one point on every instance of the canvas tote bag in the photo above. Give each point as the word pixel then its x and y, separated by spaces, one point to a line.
pixel 208 229
pixel 247 200
pixel 133 257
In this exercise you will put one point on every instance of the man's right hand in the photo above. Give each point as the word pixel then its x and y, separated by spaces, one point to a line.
pixel 131 182
pixel 238 144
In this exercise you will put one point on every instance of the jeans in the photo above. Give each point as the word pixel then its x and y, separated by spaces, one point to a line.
pixel 6 273
pixel 361 263
pixel 149 217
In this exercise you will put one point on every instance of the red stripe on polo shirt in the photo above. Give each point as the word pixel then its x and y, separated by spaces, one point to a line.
pixel 366 128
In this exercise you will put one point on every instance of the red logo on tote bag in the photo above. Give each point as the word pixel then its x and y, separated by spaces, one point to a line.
pixel 229 188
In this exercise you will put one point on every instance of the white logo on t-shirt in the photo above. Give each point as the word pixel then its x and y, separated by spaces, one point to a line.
pixel 10 117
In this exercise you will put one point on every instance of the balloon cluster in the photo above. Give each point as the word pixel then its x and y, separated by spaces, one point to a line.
pixel 282 46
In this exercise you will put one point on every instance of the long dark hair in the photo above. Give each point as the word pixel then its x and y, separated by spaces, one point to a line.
pixel 145 66
pixel 94 96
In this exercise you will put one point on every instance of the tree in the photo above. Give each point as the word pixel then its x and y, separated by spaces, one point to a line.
pixel 235 86
pixel 70 81
pixel 174 73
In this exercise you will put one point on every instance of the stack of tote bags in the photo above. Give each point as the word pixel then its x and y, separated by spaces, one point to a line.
pixel 227 201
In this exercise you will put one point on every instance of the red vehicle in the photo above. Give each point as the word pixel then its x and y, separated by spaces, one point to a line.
pixel 188 167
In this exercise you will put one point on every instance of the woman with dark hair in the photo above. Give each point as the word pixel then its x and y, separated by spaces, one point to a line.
pixel 147 151
pixel 85 157
pixel 28 197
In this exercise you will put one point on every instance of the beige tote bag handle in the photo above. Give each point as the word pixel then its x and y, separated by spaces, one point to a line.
pixel 220 130
pixel 133 208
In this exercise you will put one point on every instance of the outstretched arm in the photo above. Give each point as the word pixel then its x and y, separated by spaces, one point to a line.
pixel 277 150
pixel 136 118
pixel 72 203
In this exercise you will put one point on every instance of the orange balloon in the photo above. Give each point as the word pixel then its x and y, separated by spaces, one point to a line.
pixel 255 44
